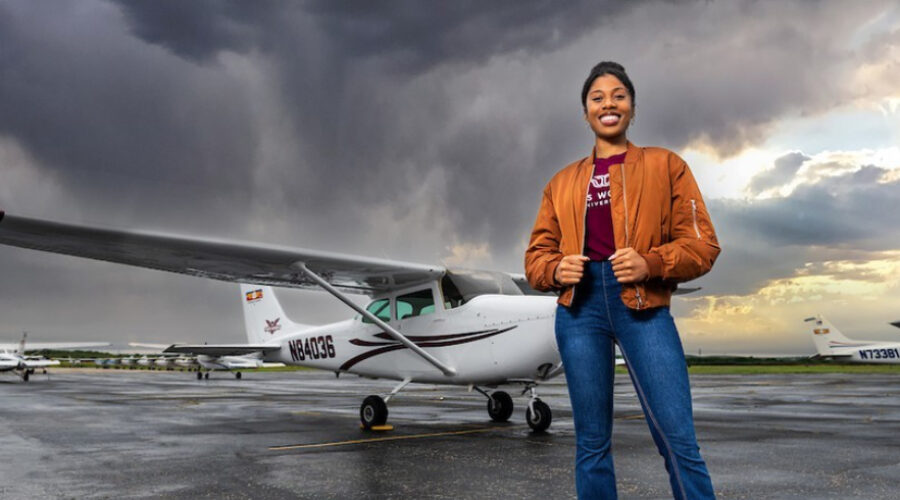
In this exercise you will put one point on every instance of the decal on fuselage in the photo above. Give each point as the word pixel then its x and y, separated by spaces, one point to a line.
pixel 890 353
pixel 272 326
pixel 390 344
pixel 255 295
pixel 320 347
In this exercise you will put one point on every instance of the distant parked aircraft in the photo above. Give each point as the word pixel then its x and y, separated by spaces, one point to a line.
pixel 13 358
pixel 831 343
pixel 211 363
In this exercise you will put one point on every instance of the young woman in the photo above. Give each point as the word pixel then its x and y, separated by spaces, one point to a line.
pixel 615 233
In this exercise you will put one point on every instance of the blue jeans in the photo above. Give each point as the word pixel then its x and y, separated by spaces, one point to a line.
pixel 586 334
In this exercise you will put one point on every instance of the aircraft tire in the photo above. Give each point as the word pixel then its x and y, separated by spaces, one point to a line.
pixel 237 375
pixel 373 411
pixel 500 406
pixel 199 375
pixel 206 376
pixel 25 376
pixel 540 420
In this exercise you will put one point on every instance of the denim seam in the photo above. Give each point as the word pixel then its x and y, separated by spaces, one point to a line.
pixel 606 301
pixel 662 434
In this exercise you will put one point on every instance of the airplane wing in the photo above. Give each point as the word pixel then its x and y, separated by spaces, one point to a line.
pixel 830 356
pixel 896 323
pixel 215 259
pixel 40 363
pixel 38 346
pixel 221 349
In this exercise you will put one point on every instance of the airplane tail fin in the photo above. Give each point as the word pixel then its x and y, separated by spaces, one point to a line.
pixel 826 337
pixel 264 319
pixel 21 351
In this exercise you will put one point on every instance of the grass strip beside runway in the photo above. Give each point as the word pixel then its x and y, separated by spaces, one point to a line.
pixel 793 369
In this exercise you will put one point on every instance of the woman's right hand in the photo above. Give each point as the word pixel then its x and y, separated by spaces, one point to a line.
pixel 570 269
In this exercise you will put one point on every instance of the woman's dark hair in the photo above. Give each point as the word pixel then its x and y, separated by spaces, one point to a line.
pixel 606 68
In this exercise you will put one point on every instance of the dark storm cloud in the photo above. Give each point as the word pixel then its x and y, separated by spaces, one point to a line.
pixel 116 122
pixel 783 172
pixel 410 35
pixel 381 93
pixel 846 217
pixel 391 129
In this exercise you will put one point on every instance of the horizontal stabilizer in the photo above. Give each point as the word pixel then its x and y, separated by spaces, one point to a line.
pixel 896 323
pixel 221 349
pixel 143 345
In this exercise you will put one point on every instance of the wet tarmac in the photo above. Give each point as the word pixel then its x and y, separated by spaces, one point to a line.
pixel 139 434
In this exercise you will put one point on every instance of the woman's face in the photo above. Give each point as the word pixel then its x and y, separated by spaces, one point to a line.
pixel 608 108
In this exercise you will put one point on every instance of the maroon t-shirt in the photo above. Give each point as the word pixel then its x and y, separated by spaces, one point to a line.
pixel 599 241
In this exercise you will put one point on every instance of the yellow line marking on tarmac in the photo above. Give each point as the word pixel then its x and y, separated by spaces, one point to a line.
pixel 389 438
pixel 639 416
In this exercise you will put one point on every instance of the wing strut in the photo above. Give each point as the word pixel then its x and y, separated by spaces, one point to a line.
pixel 446 370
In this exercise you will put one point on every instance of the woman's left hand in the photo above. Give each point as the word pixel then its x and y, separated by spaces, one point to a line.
pixel 628 266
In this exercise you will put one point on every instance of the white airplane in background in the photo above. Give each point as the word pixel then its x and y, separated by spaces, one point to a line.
pixel 13 358
pixel 161 362
pixel 212 363
pixel 428 324
pixel 831 343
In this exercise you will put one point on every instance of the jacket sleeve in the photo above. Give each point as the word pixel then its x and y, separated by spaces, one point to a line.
pixel 543 253
pixel 693 246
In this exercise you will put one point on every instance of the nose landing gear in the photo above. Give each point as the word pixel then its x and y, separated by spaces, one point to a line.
pixel 500 408
pixel 538 413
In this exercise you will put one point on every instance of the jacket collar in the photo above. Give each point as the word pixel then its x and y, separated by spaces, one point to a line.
pixel 632 153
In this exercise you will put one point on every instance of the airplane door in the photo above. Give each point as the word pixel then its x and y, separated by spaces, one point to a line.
pixel 417 314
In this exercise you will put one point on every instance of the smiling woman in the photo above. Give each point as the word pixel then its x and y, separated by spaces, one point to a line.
pixel 615 257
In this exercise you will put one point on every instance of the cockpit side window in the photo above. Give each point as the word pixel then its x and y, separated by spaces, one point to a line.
pixel 414 304
pixel 380 308
pixel 452 297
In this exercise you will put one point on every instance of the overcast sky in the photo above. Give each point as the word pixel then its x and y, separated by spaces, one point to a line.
pixel 425 131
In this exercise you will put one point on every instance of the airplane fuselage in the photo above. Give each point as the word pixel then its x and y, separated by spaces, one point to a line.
pixel 491 339
pixel 888 353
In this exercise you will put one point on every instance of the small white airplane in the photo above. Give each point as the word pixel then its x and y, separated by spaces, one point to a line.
pixel 211 363
pixel 13 358
pixel 430 324
pixel 831 343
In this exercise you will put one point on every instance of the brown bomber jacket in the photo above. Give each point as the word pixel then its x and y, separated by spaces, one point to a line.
pixel 656 209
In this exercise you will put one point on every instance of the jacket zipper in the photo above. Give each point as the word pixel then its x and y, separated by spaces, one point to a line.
pixel 637 290
pixel 694 215
pixel 587 190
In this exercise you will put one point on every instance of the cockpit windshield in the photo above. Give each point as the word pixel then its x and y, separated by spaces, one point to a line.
pixel 462 285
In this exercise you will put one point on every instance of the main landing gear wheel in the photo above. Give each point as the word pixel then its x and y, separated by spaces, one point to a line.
pixel 206 375
pixel 237 375
pixel 25 377
pixel 373 412
pixel 540 419
pixel 199 375
pixel 500 406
